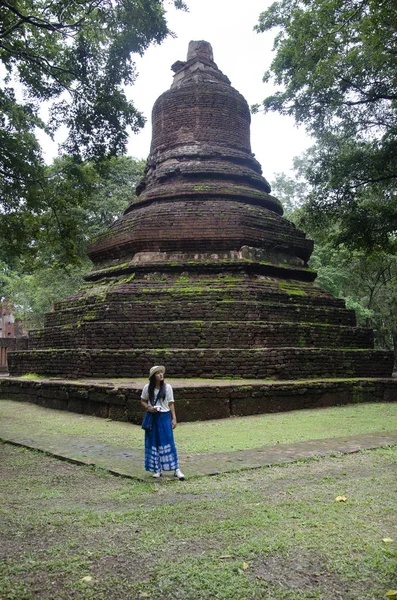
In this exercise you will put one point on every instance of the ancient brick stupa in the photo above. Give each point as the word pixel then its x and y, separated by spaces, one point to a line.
pixel 202 273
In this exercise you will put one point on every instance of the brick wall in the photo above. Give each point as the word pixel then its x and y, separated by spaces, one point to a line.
pixel 204 241
pixel 196 334
pixel 263 363
pixel 206 310
pixel 201 224
pixel 8 345
pixel 201 113
pixel 225 284
pixel 203 402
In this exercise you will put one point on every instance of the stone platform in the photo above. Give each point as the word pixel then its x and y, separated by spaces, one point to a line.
pixel 196 399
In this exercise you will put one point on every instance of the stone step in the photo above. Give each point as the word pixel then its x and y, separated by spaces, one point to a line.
pixel 217 226
pixel 263 363
pixel 225 310
pixel 197 399
pixel 196 334
pixel 271 290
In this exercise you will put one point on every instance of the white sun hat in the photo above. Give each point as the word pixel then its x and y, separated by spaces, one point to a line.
pixel 156 369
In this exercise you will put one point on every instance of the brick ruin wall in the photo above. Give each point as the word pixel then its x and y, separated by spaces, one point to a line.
pixel 122 404
pixel 220 255
pixel 201 114
pixel 10 345
pixel 197 225
pixel 199 334
pixel 189 310
pixel 263 363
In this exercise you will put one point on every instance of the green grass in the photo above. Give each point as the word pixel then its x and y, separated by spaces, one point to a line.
pixel 211 436
pixel 294 426
pixel 273 533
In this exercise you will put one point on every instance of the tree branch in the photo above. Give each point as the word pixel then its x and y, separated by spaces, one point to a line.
pixel 42 23
pixel 334 31
pixel 44 64
pixel 374 180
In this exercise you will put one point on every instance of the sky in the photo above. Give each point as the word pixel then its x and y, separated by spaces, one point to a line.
pixel 240 53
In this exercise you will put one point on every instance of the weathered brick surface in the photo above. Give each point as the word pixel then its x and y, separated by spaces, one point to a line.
pixel 8 345
pixel 206 225
pixel 273 363
pixel 204 310
pixel 268 399
pixel 14 343
pixel 188 286
pixel 199 334
pixel 200 402
pixel 223 115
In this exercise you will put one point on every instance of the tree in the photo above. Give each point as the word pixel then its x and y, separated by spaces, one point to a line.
pixel 368 284
pixel 77 201
pixel 367 281
pixel 32 294
pixel 82 200
pixel 336 63
pixel 77 55
pixel 292 190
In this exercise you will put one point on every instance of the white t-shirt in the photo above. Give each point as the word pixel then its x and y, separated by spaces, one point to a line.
pixel 163 402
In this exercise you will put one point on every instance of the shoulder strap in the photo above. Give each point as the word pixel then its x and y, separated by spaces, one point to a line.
pixel 161 395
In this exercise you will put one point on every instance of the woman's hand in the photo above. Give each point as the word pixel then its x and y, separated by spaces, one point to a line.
pixel 151 409
pixel 174 423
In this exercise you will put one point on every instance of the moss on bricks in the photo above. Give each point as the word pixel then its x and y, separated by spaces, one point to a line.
pixel 291 289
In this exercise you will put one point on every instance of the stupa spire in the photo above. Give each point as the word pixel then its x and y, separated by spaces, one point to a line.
pixel 200 50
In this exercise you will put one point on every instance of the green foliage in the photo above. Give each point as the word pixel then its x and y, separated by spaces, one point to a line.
pixel 32 294
pixel 291 191
pixel 83 200
pixel 366 280
pixel 330 56
pixel 47 260
pixel 352 185
pixel 76 55
pixel 78 201
pixel 336 65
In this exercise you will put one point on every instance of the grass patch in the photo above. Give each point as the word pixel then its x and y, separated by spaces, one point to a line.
pixel 242 433
pixel 210 436
pixel 274 533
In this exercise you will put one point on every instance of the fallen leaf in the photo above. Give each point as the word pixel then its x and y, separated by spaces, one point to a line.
pixel 387 540
pixel 225 556
pixel 392 593
pixel 86 578
pixel 340 499
pixel 245 566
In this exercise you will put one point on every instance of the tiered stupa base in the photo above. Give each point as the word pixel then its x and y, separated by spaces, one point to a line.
pixel 236 340
pixel 204 275
pixel 163 317
pixel 197 399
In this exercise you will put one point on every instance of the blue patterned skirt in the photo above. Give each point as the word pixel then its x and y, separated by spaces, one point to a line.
pixel 160 450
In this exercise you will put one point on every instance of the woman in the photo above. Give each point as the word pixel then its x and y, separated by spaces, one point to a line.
pixel 160 450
